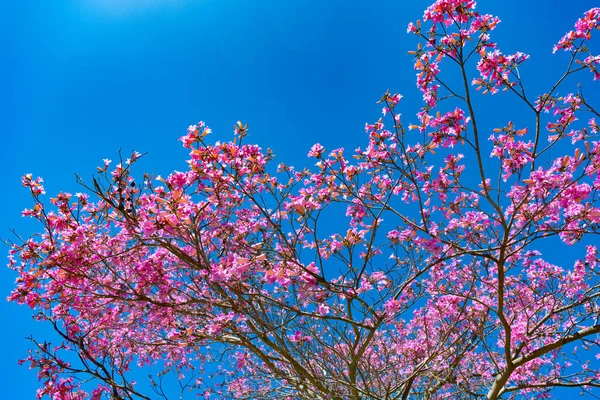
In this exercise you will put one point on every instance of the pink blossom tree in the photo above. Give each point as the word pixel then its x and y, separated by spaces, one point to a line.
pixel 412 269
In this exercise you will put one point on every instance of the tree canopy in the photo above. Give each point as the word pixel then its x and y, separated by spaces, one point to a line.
pixel 413 268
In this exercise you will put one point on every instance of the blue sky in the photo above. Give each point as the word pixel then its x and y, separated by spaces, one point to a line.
pixel 79 80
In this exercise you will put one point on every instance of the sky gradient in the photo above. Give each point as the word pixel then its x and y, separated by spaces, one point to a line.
pixel 81 80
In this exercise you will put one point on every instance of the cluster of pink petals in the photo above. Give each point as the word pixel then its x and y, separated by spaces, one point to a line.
pixel 496 68
pixel 583 30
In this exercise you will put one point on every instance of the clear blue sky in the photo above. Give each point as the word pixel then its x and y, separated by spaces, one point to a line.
pixel 81 79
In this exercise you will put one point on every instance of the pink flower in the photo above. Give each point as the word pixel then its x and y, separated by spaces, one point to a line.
pixel 323 309
pixel 316 151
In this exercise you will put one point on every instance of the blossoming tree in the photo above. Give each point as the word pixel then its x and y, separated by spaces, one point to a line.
pixel 412 269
